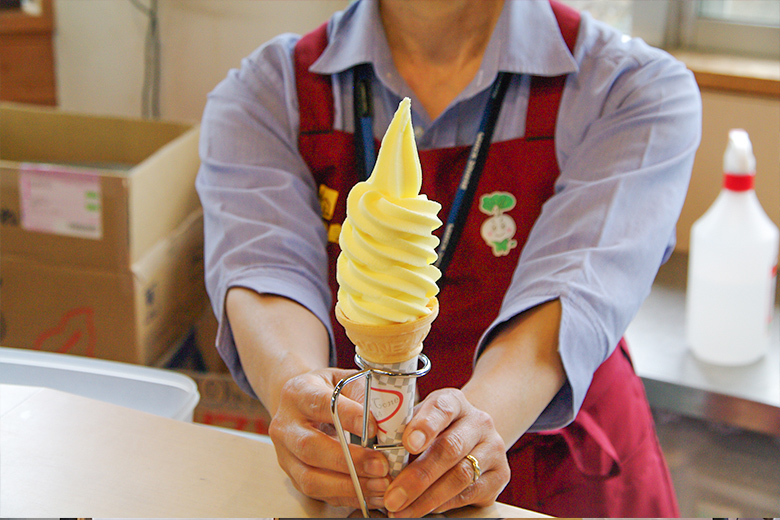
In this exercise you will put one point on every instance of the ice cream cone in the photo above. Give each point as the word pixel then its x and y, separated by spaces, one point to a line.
pixel 394 348
pixel 388 344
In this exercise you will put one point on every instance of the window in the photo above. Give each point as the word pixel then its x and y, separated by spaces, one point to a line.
pixel 755 12
pixel 748 28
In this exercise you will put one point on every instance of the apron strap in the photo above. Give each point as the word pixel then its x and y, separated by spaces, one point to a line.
pixel 316 116
pixel 546 92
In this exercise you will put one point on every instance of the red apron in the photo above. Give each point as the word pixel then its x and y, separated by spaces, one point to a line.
pixel 607 462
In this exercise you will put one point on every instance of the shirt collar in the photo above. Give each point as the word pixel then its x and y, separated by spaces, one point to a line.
pixel 526 40
pixel 531 41
pixel 355 36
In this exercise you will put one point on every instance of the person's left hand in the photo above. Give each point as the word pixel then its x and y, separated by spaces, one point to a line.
pixel 445 428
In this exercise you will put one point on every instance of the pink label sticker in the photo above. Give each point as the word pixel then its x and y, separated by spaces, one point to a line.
pixel 62 201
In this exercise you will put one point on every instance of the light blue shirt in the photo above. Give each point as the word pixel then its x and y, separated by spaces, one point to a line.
pixel 628 127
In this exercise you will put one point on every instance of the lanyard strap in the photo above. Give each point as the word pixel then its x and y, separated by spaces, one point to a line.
pixel 461 205
pixel 365 152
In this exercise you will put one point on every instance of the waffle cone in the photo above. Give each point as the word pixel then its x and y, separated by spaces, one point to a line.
pixel 387 344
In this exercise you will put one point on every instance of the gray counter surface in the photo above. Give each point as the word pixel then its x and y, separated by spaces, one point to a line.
pixel 745 397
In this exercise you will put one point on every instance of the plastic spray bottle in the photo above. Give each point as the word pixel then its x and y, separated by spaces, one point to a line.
pixel 732 267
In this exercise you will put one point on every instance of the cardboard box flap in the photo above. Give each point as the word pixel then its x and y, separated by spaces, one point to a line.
pixel 28 236
pixel 160 197
pixel 38 134
pixel 186 238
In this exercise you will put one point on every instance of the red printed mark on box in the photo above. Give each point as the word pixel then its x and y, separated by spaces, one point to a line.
pixel 74 334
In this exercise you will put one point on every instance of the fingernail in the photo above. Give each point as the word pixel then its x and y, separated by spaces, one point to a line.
pixel 376 467
pixel 416 440
pixel 378 485
pixel 375 502
pixel 395 499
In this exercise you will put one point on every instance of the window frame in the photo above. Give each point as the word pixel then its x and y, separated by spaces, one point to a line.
pixel 675 25
pixel 707 34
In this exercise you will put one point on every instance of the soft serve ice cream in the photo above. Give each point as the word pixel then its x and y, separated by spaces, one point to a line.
pixel 385 270
pixel 387 283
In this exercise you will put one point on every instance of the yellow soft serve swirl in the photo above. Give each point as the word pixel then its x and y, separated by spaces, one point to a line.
pixel 385 270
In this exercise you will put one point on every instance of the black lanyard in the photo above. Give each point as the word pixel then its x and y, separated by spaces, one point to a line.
pixel 461 204
pixel 365 151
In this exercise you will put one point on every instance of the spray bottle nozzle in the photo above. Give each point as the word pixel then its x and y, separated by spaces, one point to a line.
pixel 738 158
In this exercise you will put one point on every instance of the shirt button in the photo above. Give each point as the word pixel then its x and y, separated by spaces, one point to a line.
pixel 419 132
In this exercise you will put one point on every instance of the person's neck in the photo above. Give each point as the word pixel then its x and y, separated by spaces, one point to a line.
pixel 438 45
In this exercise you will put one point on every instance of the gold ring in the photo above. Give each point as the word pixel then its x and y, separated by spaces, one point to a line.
pixel 475 467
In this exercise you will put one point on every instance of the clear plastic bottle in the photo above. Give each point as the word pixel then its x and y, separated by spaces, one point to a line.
pixel 732 267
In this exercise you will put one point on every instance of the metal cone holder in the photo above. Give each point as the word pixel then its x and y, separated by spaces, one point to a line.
pixel 368 373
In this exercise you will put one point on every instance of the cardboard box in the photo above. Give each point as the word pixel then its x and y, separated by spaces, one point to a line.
pixel 92 192
pixel 102 233
pixel 222 403
pixel 131 315
pixel 205 341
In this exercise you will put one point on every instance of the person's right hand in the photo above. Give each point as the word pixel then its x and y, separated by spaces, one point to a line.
pixel 304 437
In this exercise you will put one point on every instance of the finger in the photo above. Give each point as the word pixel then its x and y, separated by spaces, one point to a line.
pixel 298 429
pixel 313 395
pixel 444 453
pixel 457 488
pixel 336 488
pixel 356 392
pixel 481 494
pixel 316 449
pixel 431 417
pixel 322 473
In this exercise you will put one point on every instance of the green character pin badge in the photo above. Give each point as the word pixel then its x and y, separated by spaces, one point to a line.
pixel 498 230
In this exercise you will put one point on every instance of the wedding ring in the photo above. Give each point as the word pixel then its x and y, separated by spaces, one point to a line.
pixel 475 467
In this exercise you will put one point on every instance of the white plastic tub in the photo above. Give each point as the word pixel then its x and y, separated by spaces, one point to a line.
pixel 154 390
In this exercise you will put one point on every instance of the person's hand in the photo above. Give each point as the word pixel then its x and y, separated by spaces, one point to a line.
pixel 444 430
pixel 304 437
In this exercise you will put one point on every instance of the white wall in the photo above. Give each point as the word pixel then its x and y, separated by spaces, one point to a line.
pixel 99 46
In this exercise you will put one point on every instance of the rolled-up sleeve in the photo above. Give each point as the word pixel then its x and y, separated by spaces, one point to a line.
pixel 263 228
pixel 628 128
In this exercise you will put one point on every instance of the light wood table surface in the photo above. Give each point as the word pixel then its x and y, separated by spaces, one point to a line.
pixel 63 455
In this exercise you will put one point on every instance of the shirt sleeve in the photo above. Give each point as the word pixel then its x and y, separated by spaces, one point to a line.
pixel 263 227
pixel 628 128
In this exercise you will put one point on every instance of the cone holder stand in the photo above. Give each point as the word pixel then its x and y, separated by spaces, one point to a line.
pixel 368 373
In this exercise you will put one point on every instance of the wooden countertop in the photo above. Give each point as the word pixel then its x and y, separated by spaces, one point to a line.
pixel 63 455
